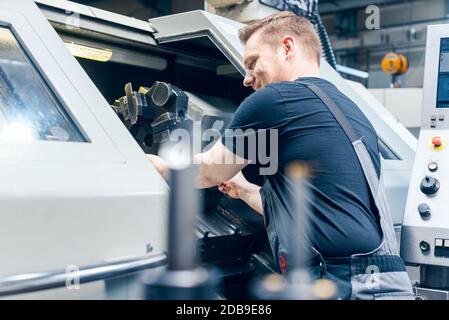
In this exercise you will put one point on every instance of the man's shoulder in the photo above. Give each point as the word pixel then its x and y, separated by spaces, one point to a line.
pixel 264 95
pixel 279 92
pixel 262 99
pixel 298 87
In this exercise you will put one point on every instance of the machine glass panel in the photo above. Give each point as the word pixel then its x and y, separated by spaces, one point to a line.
pixel 29 111
pixel 443 75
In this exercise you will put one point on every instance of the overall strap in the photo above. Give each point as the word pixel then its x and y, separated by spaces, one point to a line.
pixel 335 110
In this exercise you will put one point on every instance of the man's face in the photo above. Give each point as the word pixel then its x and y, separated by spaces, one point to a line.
pixel 264 63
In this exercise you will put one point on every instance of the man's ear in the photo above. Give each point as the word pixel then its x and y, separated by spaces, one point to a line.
pixel 288 45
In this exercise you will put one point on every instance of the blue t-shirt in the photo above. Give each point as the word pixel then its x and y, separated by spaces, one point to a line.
pixel 344 218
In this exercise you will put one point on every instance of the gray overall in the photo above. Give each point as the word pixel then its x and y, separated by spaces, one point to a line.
pixel 379 274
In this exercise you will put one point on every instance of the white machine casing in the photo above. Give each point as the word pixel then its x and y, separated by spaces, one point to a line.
pixel 416 231
pixel 73 203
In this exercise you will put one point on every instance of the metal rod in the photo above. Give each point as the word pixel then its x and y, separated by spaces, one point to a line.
pixel 183 207
pixel 26 283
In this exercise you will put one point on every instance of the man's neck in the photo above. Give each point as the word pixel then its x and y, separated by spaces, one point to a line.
pixel 310 71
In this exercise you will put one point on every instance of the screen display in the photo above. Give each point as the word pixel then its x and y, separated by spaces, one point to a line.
pixel 443 75
pixel 29 111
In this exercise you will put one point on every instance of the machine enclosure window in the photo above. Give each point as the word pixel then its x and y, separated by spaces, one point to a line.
pixel 29 111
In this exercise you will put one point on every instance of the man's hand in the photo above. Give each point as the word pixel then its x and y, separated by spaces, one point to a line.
pixel 234 187
pixel 160 165
pixel 239 188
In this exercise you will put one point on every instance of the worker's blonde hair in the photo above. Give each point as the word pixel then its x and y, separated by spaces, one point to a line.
pixel 278 25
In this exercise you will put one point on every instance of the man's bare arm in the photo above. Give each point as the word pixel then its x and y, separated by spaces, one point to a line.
pixel 216 165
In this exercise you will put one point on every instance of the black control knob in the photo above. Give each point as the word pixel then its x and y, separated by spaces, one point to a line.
pixel 430 185
pixel 424 246
pixel 424 210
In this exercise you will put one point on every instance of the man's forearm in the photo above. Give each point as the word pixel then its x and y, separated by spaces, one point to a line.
pixel 251 196
pixel 204 177
pixel 213 168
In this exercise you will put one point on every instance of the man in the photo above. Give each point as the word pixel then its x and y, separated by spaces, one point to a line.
pixel 351 234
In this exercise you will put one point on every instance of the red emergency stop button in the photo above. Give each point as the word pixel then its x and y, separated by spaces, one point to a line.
pixel 437 142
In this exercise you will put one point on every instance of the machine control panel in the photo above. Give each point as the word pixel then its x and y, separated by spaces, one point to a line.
pixel 425 232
